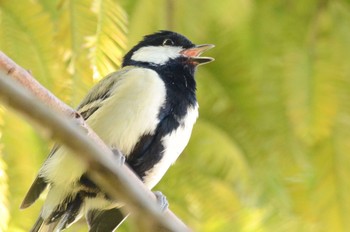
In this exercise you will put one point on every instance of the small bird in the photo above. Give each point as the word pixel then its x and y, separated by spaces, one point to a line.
pixel 146 110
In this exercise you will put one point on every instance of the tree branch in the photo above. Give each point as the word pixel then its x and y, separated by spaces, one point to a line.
pixel 116 179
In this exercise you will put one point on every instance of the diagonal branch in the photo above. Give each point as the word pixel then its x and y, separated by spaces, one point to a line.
pixel 115 178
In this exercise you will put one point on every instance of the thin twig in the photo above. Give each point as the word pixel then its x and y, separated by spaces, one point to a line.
pixel 16 72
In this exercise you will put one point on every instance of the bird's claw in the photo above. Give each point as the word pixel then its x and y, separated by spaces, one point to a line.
pixel 119 156
pixel 161 200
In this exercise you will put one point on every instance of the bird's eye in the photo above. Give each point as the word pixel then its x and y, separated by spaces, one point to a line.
pixel 168 42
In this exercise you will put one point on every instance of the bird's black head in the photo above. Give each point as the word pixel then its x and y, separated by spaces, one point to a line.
pixel 164 48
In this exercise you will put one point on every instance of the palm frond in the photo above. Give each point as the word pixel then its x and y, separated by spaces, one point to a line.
pixel 26 36
pixel 109 42
pixel 75 23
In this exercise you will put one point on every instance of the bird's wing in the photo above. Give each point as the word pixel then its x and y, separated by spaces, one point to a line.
pixel 38 225
pixel 100 92
pixel 107 220
pixel 86 108
pixel 38 186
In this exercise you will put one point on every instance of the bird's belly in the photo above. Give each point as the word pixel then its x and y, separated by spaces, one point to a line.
pixel 174 143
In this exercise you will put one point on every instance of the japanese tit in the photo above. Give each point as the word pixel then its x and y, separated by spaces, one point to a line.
pixel 146 110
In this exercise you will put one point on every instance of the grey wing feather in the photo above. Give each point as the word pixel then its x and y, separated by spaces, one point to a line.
pixel 38 186
pixel 101 91
pixel 87 107
pixel 38 224
pixel 105 221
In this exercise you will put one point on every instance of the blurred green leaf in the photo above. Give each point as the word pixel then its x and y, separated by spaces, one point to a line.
pixel 4 193
pixel 26 36
pixel 109 41
pixel 269 152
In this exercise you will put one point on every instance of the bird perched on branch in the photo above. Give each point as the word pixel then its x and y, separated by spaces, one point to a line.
pixel 146 110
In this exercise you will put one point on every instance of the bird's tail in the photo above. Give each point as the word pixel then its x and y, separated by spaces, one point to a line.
pixel 106 220
pixel 40 226
pixel 61 218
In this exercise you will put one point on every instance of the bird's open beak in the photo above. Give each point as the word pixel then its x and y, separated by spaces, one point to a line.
pixel 194 54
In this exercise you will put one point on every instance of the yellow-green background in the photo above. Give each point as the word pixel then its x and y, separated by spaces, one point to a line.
pixel 270 151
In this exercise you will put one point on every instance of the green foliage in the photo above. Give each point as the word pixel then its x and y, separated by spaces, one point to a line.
pixel 4 211
pixel 269 152
pixel 63 43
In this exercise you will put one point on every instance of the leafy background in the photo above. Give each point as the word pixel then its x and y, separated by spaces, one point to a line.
pixel 270 150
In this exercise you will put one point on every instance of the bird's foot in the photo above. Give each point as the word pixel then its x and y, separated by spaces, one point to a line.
pixel 119 156
pixel 161 200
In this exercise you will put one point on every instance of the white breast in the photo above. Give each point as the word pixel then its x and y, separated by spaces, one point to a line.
pixel 174 143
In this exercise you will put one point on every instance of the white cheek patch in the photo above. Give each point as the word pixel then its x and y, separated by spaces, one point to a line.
pixel 156 54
